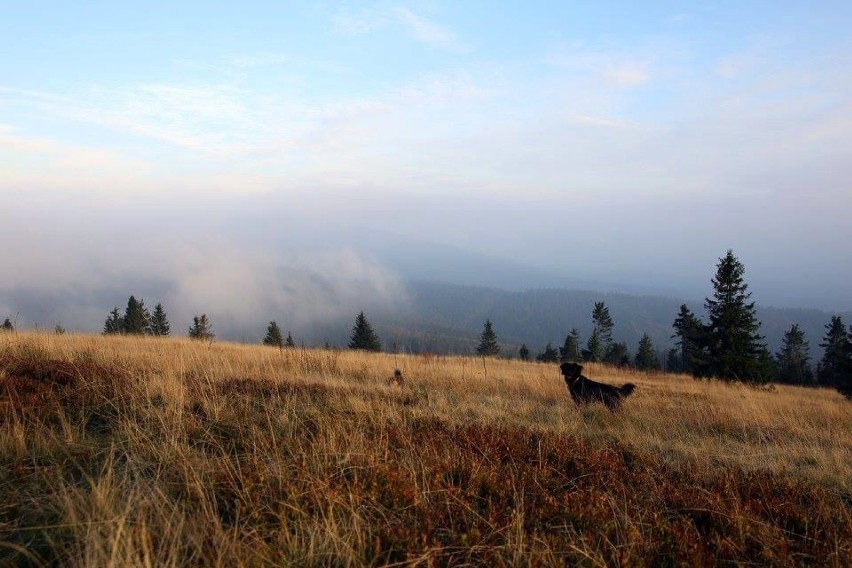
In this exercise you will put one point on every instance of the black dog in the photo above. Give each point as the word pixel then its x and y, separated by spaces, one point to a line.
pixel 584 390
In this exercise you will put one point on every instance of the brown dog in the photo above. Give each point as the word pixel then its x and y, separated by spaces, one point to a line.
pixel 584 390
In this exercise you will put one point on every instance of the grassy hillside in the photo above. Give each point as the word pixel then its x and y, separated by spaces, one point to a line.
pixel 146 452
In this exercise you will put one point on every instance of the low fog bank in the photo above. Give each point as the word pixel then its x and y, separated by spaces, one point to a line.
pixel 73 271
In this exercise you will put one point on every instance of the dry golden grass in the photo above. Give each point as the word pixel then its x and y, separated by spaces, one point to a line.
pixel 145 452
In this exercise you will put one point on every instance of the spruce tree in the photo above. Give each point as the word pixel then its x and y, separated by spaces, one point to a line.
pixel 273 335
pixel 159 321
pixel 735 348
pixel 136 319
pixel 549 355
pixel 689 331
pixel 835 361
pixel 488 346
pixel 595 348
pixel 289 342
pixel 646 357
pixel 617 353
pixel 363 337
pixel 603 323
pixel 201 329
pixel 524 353
pixel 570 350
pixel 114 324
pixel 792 360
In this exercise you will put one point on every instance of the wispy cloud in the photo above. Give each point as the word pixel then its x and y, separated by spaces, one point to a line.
pixel 418 27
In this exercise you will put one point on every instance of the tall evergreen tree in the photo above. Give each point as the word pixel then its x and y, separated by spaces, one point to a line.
pixel 524 353
pixel 792 360
pixel 363 337
pixel 273 335
pixel 835 362
pixel 595 349
pixel 136 319
pixel 201 328
pixel 549 355
pixel 289 341
pixel 488 346
pixel 690 334
pixel 159 321
pixel 603 323
pixel 114 323
pixel 570 350
pixel 735 347
pixel 646 357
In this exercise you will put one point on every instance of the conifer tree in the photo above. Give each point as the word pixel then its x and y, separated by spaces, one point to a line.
pixel 7 325
pixel 289 342
pixel 549 355
pixel 201 329
pixel 273 335
pixel 524 353
pixel 595 348
pixel 159 321
pixel 735 348
pixel 488 346
pixel 792 360
pixel 114 324
pixel 570 350
pixel 603 323
pixel 363 337
pixel 136 319
pixel 646 357
pixel 690 334
pixel 617 354
pixel 835 362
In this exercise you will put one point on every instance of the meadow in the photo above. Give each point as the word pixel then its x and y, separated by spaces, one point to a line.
pixel 138 451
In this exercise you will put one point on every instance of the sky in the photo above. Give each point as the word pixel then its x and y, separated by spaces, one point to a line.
pixel 201 150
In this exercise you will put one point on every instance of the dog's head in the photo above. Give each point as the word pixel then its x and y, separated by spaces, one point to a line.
pixel 571 371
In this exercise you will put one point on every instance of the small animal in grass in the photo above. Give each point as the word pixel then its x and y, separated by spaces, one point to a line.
pixel 396 379
pixel 584 390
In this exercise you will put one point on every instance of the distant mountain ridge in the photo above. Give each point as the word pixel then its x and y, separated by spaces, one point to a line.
pixel 448 318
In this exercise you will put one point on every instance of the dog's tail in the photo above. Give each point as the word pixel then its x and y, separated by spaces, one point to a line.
pixel 627 389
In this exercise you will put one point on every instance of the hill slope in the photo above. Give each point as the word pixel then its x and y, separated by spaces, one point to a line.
pixel 138 452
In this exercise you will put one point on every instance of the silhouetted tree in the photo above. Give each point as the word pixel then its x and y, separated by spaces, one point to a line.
pixel 488 346
pixel 159 321
pixel 136 319
pixel 289 342
pixel 549 355
pixel 201 328
pixel 691 341
pixel 114 323
pixel 363 337
pixel 603 323
pixel 735 348
pixel 792 360
pixel 646 357
pixel 835 362
pixel 7 325
pixel 524 353
pixel 570 350
pixel 617 354
pixel 595 349
pixel 674 364
pixel 273 335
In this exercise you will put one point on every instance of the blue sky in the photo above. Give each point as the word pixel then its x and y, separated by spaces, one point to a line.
pixel 645 139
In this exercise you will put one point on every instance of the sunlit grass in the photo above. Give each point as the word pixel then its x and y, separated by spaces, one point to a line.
pixel 144 452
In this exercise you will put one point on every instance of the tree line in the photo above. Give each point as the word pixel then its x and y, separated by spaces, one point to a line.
pixel 726 346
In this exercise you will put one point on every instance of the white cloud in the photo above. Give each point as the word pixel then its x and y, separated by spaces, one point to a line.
pixel 418 27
